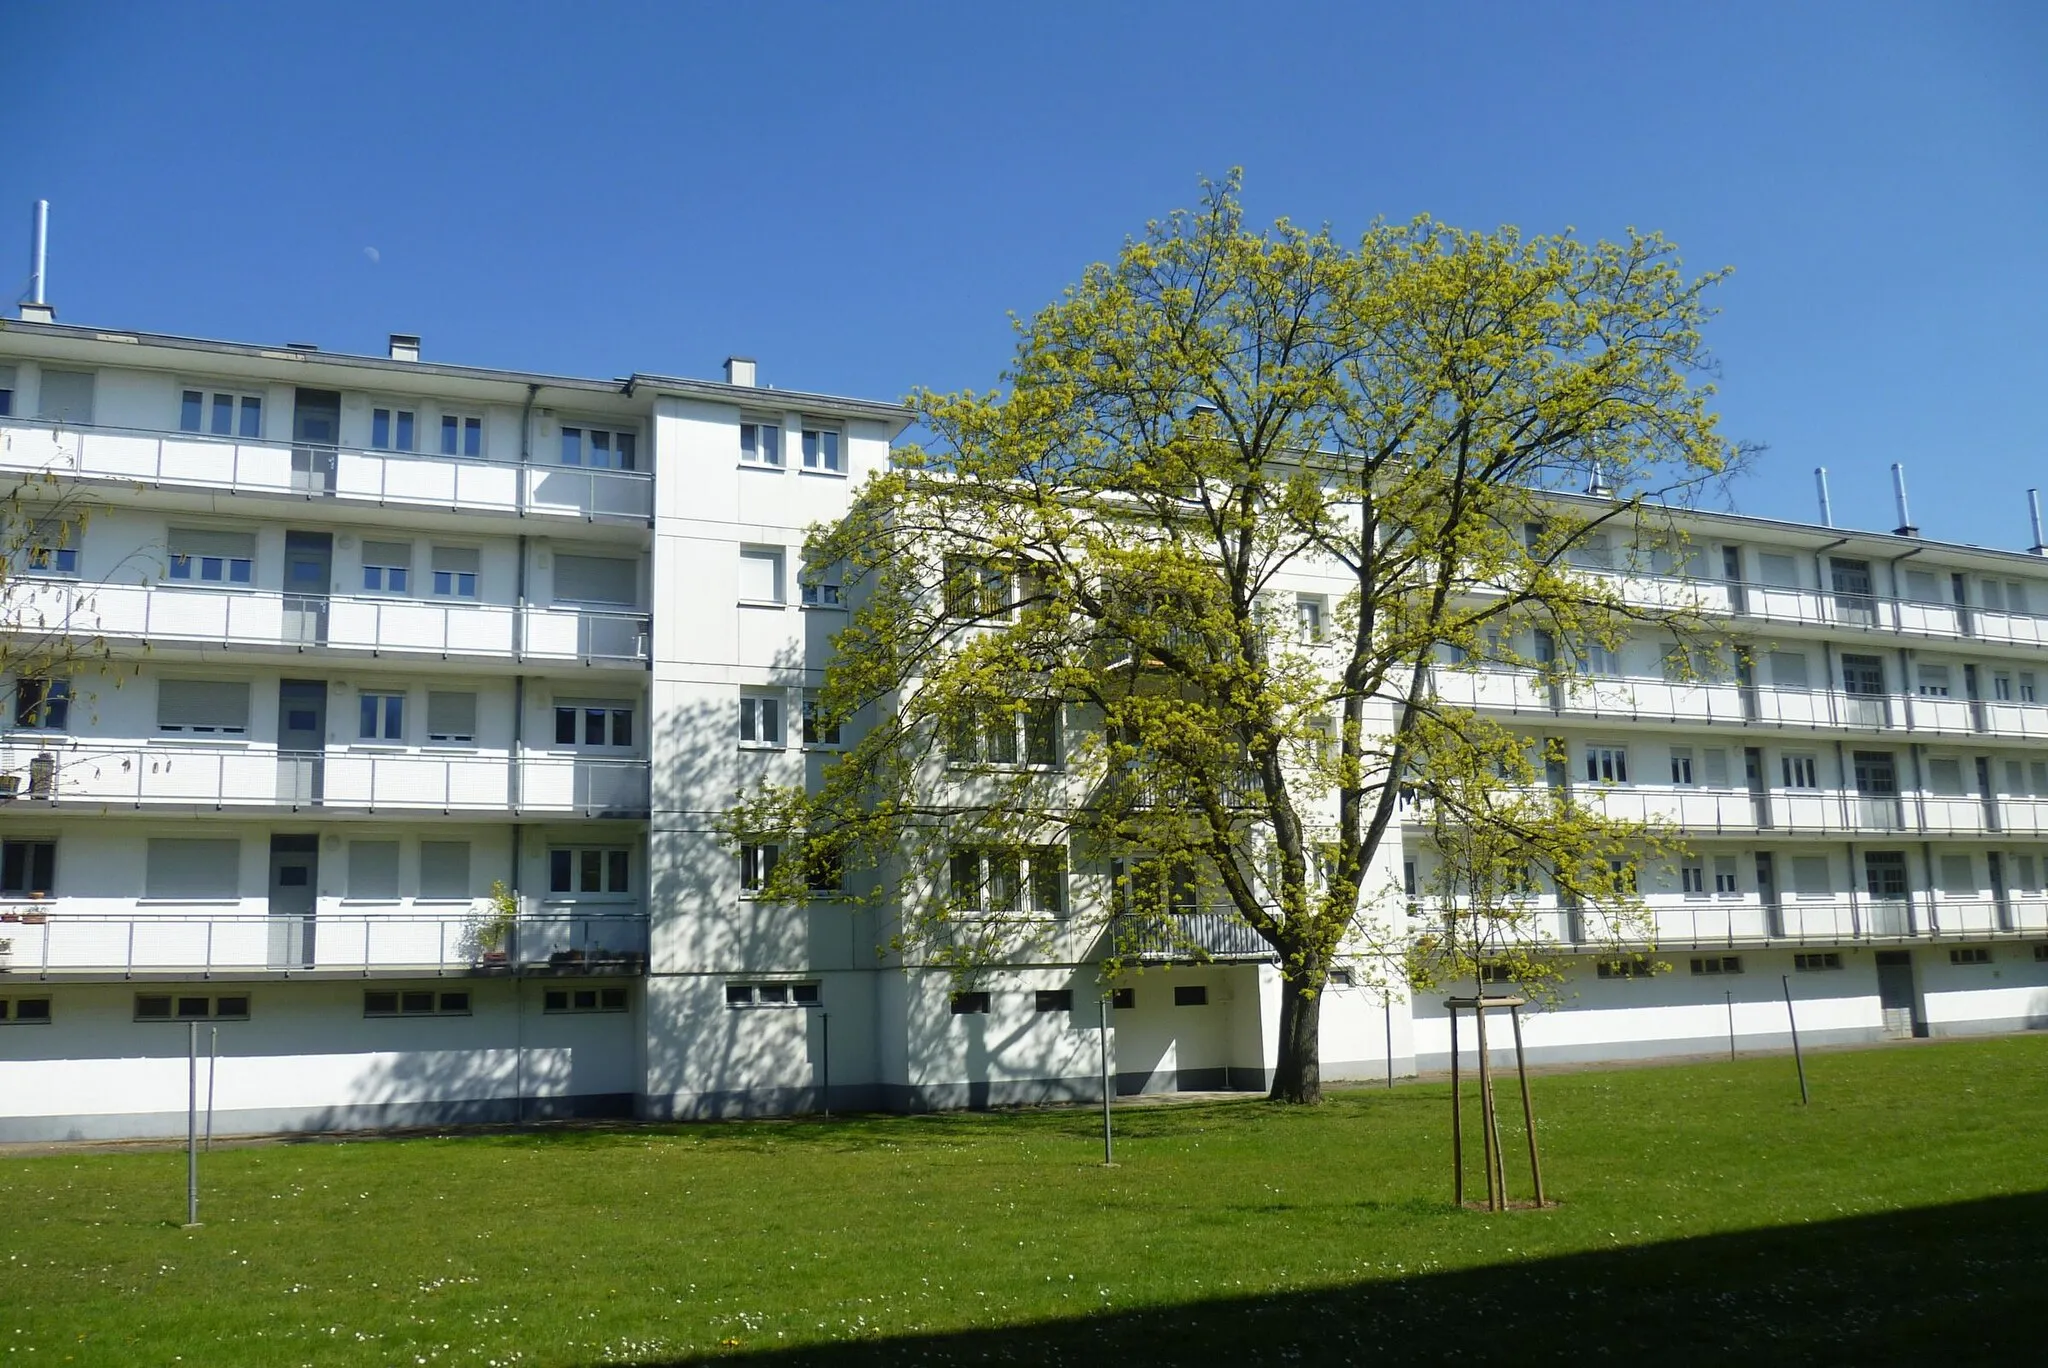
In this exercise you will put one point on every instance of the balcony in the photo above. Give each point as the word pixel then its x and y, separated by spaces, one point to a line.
pixel 1207 934
pixel 1836 919
pixel 1831 610
pixel 66 773
pixel 377 478
pixel 1806 812
pixel 376 626
pixel 185 944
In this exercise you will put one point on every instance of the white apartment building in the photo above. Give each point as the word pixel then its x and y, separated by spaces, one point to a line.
pixel 385 633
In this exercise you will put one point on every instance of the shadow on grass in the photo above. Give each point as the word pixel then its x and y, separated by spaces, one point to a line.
pixel 1952 1284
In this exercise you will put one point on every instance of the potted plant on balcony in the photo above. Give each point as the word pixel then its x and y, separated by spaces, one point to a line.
pixel 6 954
pixel 495 929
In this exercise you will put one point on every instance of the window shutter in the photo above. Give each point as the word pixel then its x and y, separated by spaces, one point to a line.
pixel 1779 570
pixel 1958 879
pixel 181 868
pixel 66 397
pixel 451 716
pixel 1810 876
pixel 595 579
pixel 457 559
pixel 761 576
pixel 444 869
pixel 373 870
pixel 1788 670
pixel 199 541
pixel 1945 777
pixel 202 703
pixel 387 553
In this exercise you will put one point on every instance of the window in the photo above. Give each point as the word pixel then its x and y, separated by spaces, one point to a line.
pixel 1970 954
pixel 1190 995
pixel 6 391
pixel 1801 771
pixel 821 449
pixel 24 1011
pixel 1715 761
pixel 1958 876
pixel 1692 880
pixel 222 413
pixel 199 556
pixel 1602 659
pixel 2001 686
pixel 760 719
pixel 394 429
pixel 1934 682
pixel 1717 964
pixel 444 870
pixel 191 1007
pixel 1042 733
pixel 993 735
pixel 451 718
pixel 1053 1000
pixel 817 730
pixel 2026 686
pixel 455 571
pixel 202 707
pixel 607 580
pixel 2025 876
pixel 1122 999
pixel 1621 878
pixel 757 865
pixel 42 704
pixel 1681 765
pixel 761 443
pixel 760 575
pixel 1788 670
pixel 583 1000
pixel 589 869
pixel 826 878
pixel 387 567
pixel 462 434
pixel 28 869
pixel 1031 880
pixel 415 1002
pixel 1724 875
pixel 1607 764
pixel 771 994
pixel 66 397
pixel 1308 611
pixel 821 588
pixel 598 448
pixel 975 588
pixel 1778 570
pixel 1496 973
pixel 373 871
pixel 382 717
pixel 1816 962
pixel 594 724
pixel 1945 776
pixel 970 1004
pixel 1810 877
pixel 50 549
pixel 184 869
pixel 1634 967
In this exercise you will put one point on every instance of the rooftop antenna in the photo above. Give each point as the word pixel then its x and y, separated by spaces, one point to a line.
pixel 1905 527
pixel 1596 483
pixel 1820 483
pixel 2039 548
pixel 34 308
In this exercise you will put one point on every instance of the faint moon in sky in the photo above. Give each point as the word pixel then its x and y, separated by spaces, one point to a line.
pixel 373 254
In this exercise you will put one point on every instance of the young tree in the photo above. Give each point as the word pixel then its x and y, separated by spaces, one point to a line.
pixel 1116 539
pixel 48 634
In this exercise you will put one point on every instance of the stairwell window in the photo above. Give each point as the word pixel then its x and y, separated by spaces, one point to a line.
pixel 821 588
pixel 821 449
pixel 760 719
pixel 394 429
pixel 819 729
pixel 28 869
pixel 387 567
pixel 42 704
pixel 1607 764
pixel 462 434
pixel 221 413
pixel 600 448
pixel 761 444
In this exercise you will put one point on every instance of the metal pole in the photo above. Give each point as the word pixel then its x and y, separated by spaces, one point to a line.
pixel 1528 1108
pixel 39 253
pixel 1489 1135
pixel 825 1058
pixel 1108 1140
pixel 212 1063
pixel 1388 1004
pixel 1731 1024
pixel 1457 1118
pixel 192 1124
pixel 1792 1020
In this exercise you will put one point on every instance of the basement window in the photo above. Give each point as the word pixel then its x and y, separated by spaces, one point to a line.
pixel 970 1004
pixel 25 1012
pixel 1190 995
pixel 1817 962
pixel 1634 967
pixel 584 1000
pixel 1128 997
pixel 1970 954
pixel 415 1002
pixel 1717 964
pixel 191 1007
pixel 1055 1000
pixel 771 994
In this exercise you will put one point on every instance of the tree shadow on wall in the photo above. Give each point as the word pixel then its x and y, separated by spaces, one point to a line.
pixel 1951 1284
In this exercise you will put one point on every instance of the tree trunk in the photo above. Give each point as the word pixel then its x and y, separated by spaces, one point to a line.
pixel 1298 1074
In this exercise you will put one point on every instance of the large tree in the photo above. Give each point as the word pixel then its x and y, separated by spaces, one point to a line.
pixel 1098 565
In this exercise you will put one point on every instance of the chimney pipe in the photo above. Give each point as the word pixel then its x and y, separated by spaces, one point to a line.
pixel 2039 548
pixel 35 309
pixel 1820 482
pixel 1596 483
pixel 405 347
pixel 739 370
pixel 1905 527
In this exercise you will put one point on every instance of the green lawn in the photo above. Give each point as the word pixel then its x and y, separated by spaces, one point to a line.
pixel 1705 1215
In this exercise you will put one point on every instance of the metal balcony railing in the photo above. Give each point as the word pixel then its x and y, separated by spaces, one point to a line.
pixel 179 614
pixel 1208 933
pixel 1796 812
pixel 61 771
pixel 1839 918
pixel 191 460
pixel 173 942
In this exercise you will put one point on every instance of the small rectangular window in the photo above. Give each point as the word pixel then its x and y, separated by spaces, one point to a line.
pixel 1717 964
pixel 26 1011
pixel 1190 995
pixel 821 449
pixel 1815 962
pixel 1121 998
pixel 462 434
pixel 970 1004
pixel 761 443
pixel 818 729
pixel 1801 771
pixel 583 1000
pixel 757 865
pixel 1634 967
pixel 739 994
pixel 28 869
pixel 394 429
pixel 1970 954
pixel 1054 1000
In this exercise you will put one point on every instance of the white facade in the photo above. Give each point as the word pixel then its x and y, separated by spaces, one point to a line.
pixel 385 633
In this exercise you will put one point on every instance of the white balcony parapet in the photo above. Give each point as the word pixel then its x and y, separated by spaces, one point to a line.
pixel 174 941
pixel 1794 812
pixel 1747 922
pixel 60 771
pixel 376 625
pixel 412 479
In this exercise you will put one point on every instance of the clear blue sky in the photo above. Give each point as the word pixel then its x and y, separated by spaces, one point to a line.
pixel 858 194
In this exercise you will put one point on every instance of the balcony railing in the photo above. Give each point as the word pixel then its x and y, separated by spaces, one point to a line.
pixel 409 479
pixel 1716 811
pixel 1651 700
pixel 260 619
pixel 1837 919
pixel 176 943
pixel 88 774
pixel 1210 933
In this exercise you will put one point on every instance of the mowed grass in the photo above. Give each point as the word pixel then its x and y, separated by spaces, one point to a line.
pixel 1704 1213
